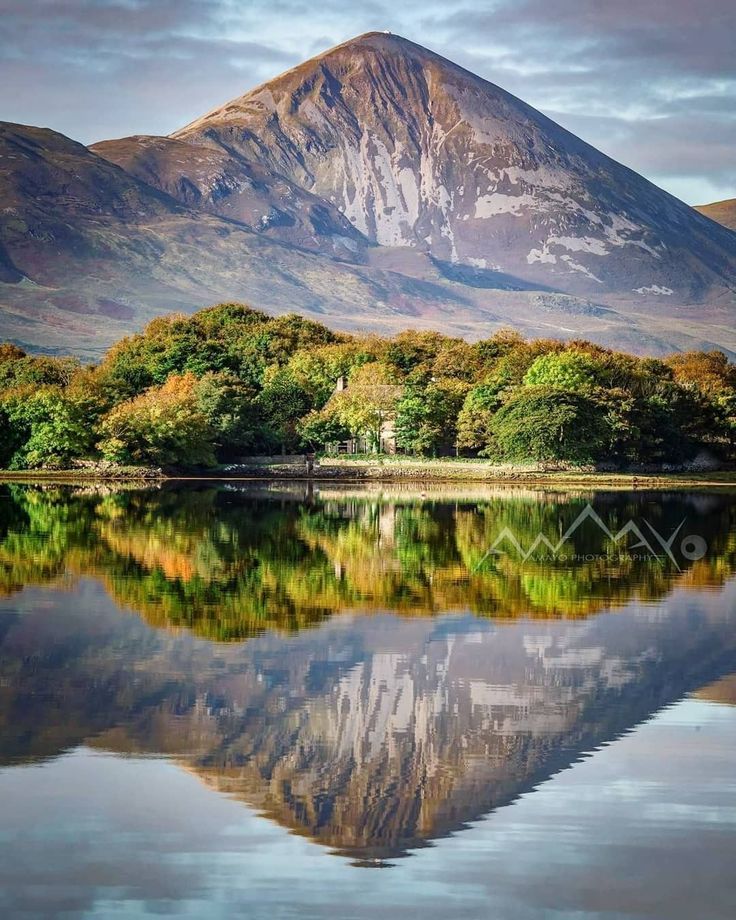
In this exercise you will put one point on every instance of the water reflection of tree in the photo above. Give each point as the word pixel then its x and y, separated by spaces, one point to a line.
pixel 228 567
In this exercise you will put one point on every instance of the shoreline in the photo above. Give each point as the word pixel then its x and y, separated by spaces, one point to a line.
pixel 416 474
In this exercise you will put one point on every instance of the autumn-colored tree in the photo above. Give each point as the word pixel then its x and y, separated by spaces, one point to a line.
pixel 409 350
pixel 163 426
pixel 458 360
pixel 318 370
pixel 500 343
pixel 709 371
pixel 17 369
pixel 712 375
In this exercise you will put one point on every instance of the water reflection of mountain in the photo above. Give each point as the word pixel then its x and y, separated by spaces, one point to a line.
pixel 370 734
pixel 227 565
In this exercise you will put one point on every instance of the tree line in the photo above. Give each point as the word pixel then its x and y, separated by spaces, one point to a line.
pixel 230 381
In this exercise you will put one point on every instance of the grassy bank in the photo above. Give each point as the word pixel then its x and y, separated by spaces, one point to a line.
pixel 393 469
pixel 88 473
pixel 386 469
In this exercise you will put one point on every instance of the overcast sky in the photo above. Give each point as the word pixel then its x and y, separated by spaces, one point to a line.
pixel 650 82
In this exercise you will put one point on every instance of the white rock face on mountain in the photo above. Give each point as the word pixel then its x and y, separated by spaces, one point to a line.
pixel 418 152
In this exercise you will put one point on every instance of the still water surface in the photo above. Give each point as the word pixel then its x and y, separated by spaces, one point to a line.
pixel 239 700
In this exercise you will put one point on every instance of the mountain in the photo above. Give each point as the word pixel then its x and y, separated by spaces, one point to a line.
pixel 209 177
pixel 376 186
pixel 88 252
pixel 724 212
pixel 418 152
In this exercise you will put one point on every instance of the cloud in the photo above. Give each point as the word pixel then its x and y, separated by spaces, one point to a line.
pixel 650 82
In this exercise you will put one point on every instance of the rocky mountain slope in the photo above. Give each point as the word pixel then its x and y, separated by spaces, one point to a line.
pixel 370 740
pixel 724 212
pixel 377 186
pixel 418 152
pixel 88 253
pixel 209 177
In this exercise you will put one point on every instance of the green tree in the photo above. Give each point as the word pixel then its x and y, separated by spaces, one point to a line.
pixel 45 427
pixel 230 407
pixel 565 370
pixel 426 419
pixel 282 402
pixel 474 421
pixel 548 424
pixel 318 428
pixel 368 403
pixel 412 349
pixel 10 436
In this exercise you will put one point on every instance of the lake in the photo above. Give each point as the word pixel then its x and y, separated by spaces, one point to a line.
pixel 242 699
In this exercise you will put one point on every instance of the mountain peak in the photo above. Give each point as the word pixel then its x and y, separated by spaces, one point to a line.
pixel 375 41
pixel 379 179
pixel 369 39
pixel 383 45
pixel 370 45
pixel 343 61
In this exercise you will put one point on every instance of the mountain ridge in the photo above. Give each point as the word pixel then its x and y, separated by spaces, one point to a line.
pixel 225 184
pixel 723 212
